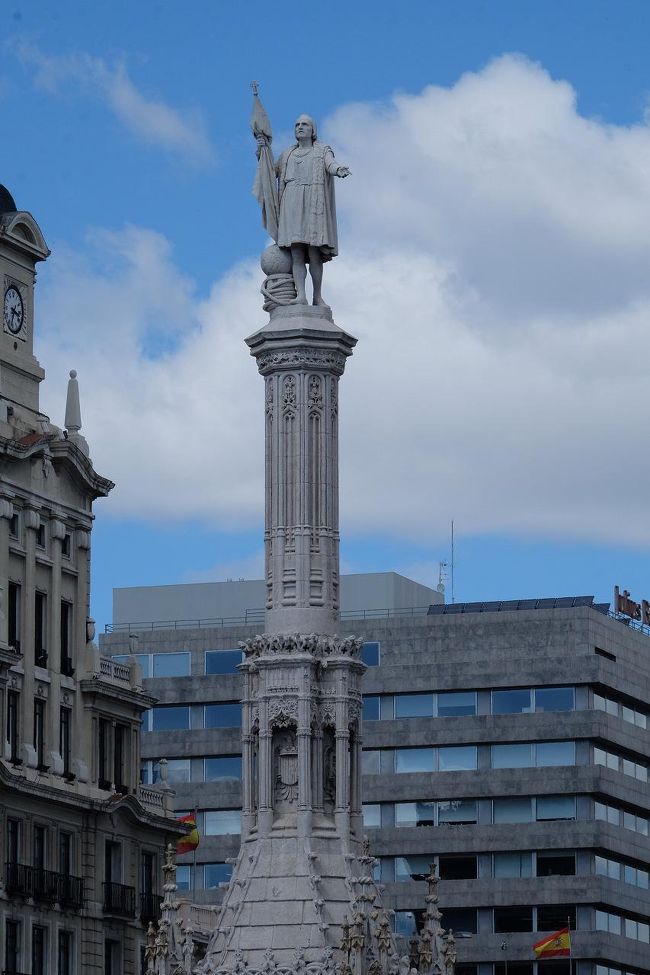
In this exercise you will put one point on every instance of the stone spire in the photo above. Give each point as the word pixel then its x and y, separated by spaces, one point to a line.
pixel 73 414
pixel 170 945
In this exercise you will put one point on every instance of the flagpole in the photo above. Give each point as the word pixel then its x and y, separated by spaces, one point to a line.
pixel 196 826
pixel 571 965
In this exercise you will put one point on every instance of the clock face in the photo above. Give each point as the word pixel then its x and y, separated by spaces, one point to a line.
pixel 14 310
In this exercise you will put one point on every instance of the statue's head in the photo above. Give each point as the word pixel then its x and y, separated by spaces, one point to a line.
pixel 300 129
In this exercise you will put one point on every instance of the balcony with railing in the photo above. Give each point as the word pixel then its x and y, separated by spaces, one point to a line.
pixel 44 885
pixel 119 899
pixel 150 907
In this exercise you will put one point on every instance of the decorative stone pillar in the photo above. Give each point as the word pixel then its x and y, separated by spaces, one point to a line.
pixel 6 514
pixel 55 650
pixel 301 353
pixel 32 521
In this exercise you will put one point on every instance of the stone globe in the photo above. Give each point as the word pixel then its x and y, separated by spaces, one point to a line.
pixel 276 260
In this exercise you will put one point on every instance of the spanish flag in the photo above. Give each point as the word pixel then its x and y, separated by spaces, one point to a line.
pixel 556 945
pixel 190 841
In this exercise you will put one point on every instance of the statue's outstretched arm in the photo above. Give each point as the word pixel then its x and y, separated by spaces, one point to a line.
pixel 333 167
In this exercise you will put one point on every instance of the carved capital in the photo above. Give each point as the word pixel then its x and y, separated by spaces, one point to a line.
pixel 32 519
pixel 83 539
pixel 6 509
pixel 57 530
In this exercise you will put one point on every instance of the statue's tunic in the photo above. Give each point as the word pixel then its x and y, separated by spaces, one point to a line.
pixel 307 208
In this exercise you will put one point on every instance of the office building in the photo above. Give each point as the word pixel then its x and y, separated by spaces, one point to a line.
pixel 506 742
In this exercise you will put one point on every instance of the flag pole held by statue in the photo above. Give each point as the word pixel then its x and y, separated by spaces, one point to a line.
pixel 265 187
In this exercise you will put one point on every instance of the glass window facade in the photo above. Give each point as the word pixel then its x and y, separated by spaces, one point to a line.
pixel 415 814
pixel 512 864
pixel 512 701
pixel 414 760
pixel 222 822
pixel 222 661
pixel 220 767
pixel 170 717
pixel 371 815
pixel 450 703
pixel 371 707
pixel 457 758
pixel 171 664
pixel 370 654
pixel 215 874
pixel 224 715
pixel 413 705
pixel 415 867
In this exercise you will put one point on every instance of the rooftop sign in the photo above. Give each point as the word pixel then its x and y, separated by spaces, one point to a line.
pixel 625 606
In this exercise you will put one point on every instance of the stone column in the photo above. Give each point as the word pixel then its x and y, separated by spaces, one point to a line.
pixel 265 773
pixel 247 756
pixel 317 769
pixel 355 782
pixel 57 534
pixel 301 353
pixel 6 513
pixel 82 748
pixel 32 521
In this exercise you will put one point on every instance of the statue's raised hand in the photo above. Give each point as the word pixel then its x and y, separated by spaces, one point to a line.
pixel 343 171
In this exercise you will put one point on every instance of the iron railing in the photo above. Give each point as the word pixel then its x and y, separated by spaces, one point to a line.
pixel 255 617
pixel 44 885
pixel 150 907
pixel 119 899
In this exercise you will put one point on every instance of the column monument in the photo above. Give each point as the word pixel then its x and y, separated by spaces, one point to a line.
pixel 302 897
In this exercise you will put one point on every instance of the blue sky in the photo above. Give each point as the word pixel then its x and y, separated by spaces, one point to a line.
pixel 505 269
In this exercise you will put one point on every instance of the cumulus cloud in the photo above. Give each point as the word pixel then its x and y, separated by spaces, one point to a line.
pixel 151 120
pixel 494 266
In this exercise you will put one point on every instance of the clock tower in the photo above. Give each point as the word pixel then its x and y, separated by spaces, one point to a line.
pixel 22 245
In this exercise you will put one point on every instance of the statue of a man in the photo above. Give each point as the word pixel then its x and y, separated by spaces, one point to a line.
pixel 306 221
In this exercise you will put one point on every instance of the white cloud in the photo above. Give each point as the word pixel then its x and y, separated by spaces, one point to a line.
pixel 494 266
pixel 180 131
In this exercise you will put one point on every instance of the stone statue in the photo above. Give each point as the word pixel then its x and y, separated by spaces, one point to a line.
pixel 296 194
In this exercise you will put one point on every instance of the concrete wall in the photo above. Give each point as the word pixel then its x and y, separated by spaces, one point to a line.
pixel 214 600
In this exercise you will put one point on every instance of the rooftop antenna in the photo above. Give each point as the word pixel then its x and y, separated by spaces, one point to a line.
pixel 442 575
pixel 452 560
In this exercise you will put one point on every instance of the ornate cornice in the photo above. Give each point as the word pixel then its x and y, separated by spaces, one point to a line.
pixel 317 645
pixel 301 358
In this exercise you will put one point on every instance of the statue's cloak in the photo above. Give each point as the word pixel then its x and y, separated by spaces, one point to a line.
pixel 315 224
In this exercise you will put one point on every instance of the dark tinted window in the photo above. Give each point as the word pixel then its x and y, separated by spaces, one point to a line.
pixel 554 699
pixel 222 767
pixel 555 917
pixel 371 708
pixel 556 864
pixel 460 919
pixel 222 661
pixel 171 717
pixel 215 874
pixel 457 867
pixel 456 702
pixel 413 705
pixel 513 919
pixel 511 702
pixel 370 654
pixel 227 715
